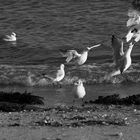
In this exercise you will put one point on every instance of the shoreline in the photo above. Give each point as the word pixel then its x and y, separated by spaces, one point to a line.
pixel 93 120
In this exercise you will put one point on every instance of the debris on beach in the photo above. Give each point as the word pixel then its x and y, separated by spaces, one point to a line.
pixel 105 111
pixel 16 101
pixel 20 98
pixel 115 99
pixel 80 117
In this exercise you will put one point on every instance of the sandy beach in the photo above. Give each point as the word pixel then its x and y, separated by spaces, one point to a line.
pixel 36 125
pixel 88 122
pixel 31 64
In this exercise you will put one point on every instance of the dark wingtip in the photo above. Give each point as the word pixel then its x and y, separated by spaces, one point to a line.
pixel 113 37
pixel 124 38
pixel 118 38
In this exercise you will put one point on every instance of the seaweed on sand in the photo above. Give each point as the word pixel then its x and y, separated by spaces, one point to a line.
pixel 117 100
pixel 20 98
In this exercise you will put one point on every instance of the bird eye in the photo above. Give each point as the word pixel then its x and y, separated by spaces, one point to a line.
pixel 134 30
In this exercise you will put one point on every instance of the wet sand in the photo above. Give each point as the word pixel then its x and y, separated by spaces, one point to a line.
pixel 98 122
pixel 85 133
pixel 64 96
pixel 59 119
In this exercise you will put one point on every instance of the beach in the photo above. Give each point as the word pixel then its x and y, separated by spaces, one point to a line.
pixel 62 122
pixel 29 65
pixel 60 119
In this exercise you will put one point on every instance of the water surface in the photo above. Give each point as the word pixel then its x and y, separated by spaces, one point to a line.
pixel 44 27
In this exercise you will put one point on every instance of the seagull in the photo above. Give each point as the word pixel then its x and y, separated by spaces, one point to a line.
pixel 122 59
pixel 59 75
pixel 30 80
pixel 117 47
pixel 134 18
pixel 79 90
pixel 133 33
pixel 79 59
pixel 133 24
pixel 10 38
pixel 33 80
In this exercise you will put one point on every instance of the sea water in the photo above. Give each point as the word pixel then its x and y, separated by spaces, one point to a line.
pixel 44 27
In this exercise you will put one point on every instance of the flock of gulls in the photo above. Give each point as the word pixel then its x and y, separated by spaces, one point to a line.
pixel 122 60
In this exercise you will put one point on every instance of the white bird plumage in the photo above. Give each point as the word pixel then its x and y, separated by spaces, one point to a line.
pixel 60 74
pixel 133 33
pixel 134 18
pixel 78 58
pixel 79 90
pixel 122 60
pixel 10 38
pixel 133 24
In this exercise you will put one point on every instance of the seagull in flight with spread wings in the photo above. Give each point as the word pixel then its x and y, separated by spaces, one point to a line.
pixel 122 59
pixel 77 58
pixel 133 24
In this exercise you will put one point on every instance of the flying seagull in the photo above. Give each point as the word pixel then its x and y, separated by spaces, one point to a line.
pixel 78 58
pixel 133 24
pixel 133 33
pixel 122 59
pixel 134 18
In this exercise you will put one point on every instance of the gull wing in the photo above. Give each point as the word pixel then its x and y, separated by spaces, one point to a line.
pixel 7 37
pixel 129 35
pixel 89 48
pixel 59 75
pixel 134 18
pixel 70 54
pixel 134 32
pixel 121 64
pixel 117 46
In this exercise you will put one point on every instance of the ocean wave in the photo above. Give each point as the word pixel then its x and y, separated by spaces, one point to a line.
pixel 33 75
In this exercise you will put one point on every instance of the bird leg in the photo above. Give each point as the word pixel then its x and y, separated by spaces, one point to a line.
pixel 53 84
pixel 73 103
pixel 83 102
pixel 125 77
pixel 59 84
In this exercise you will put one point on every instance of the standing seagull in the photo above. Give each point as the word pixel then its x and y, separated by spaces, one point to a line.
pixel 79 59
pixel 79 90
pixel 10 38
pixel 59 75
pixel 122 60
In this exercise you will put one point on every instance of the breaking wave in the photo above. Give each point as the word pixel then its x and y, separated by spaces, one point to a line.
pixel 32 75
